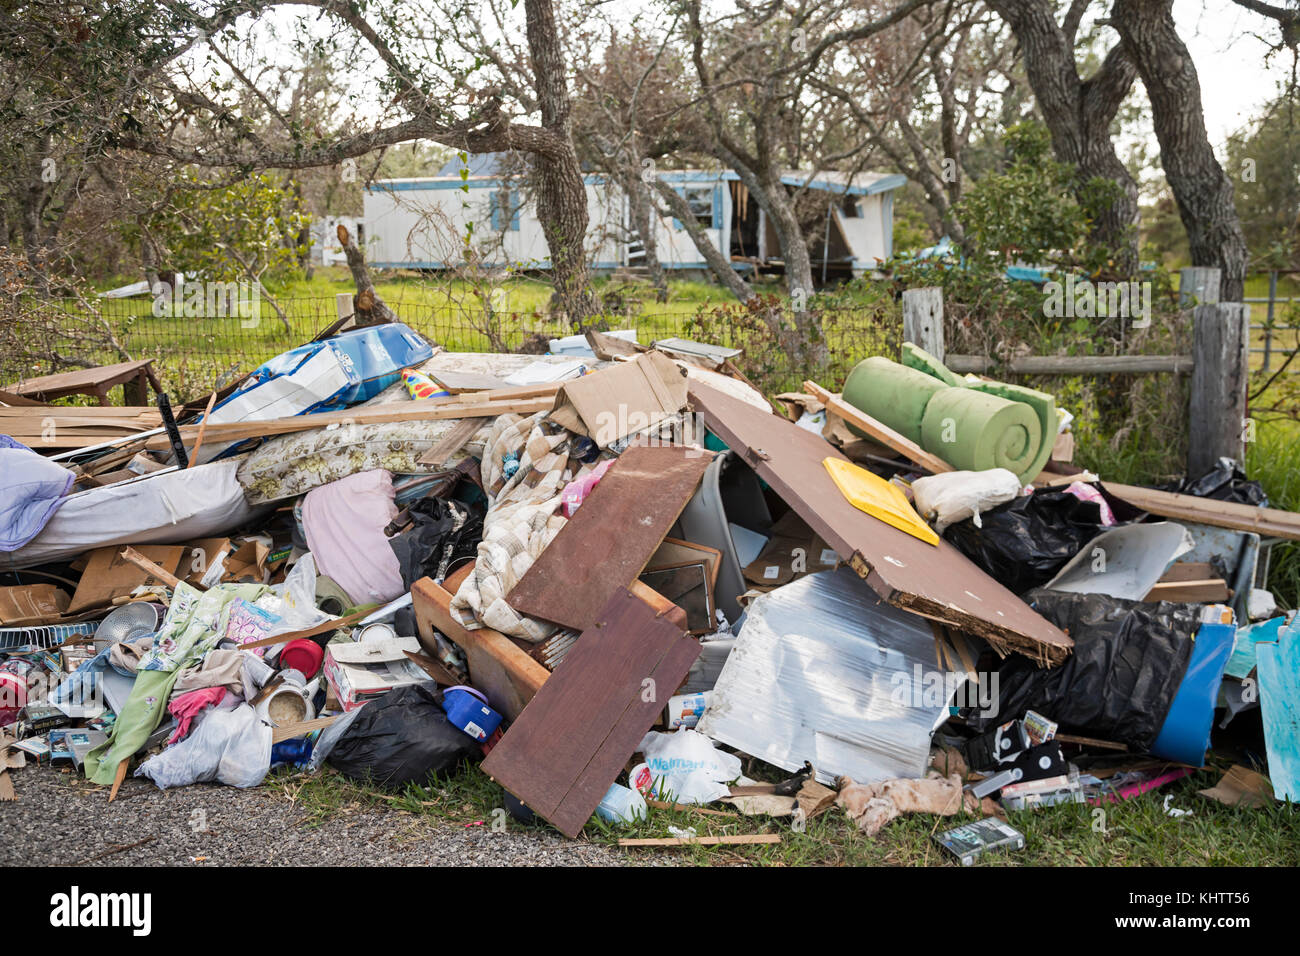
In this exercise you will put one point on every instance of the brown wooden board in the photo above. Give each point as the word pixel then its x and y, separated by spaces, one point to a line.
pixel 94 381
pixel 1267 522
pixel 429 409
pixel 936 582
pixel 452 442
pixel 608 541
pixel 576 734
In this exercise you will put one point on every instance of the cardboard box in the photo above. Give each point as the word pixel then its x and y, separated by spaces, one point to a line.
pixel 358 672
pixel 246 560
pixel 793 551
pixel 32 604
pixel 622 399
pixel 108 575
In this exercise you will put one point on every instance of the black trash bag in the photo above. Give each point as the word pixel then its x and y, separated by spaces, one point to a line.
pixel 1024 542
pixel 1119 682
pixel 445 535
pixel 402 737
pixel 1224 482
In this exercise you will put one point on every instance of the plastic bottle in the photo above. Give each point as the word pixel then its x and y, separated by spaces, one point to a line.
pixel 621 805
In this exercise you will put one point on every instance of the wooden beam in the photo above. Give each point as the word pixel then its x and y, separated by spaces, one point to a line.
pixel 878 430
pixel 741 839
pixel 427 410
pixel 1197 592
pixel 154 570
pixel 1268 522
pixel 1073 364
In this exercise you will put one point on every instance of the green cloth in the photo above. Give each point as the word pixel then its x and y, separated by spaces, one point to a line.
pixel 972 424
pixel 195 623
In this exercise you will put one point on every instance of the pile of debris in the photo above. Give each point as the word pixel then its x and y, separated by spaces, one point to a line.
pixel 621 580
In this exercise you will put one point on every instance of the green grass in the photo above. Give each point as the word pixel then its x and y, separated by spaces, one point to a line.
pixel 1136 832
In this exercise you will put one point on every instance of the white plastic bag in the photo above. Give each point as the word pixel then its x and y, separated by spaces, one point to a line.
pixel 230 746
pixel 954 496
pixel 687 768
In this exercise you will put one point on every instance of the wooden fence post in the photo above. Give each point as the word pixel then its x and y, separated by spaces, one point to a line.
pixel 1198 285
pixel 1220 376
pixel 923 319
pixel 343 304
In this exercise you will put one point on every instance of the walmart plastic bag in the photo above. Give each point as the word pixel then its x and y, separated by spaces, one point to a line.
pixel 687 768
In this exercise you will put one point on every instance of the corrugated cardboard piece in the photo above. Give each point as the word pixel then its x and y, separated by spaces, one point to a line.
pixel 109 575
pixel 621 400
pixel 32 604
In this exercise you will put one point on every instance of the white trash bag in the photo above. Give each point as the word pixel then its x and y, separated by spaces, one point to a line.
pixel 687 768
pixel 230 746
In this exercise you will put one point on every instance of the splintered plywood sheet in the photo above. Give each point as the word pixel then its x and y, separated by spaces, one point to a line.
pixel 608 541
pixel 936 581
pixel 576 734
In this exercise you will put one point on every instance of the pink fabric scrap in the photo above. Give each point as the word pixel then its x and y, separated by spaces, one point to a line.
pixel 188 705
pixel 1086 492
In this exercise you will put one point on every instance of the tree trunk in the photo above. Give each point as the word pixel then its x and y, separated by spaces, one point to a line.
pixel 560 190
pixel 369 307
pixel 718 263
pixel 641 207
pixel 1078 113
pixel 1201 188
pixel 811 351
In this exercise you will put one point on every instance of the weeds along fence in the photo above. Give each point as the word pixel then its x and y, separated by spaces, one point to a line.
pixel 194 354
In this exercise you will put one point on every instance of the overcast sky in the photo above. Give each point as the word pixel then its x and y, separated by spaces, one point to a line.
pixel 1235 82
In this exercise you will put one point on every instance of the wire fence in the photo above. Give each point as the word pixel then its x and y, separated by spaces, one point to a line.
pixel 195 349
pixel 192 354
pixel 1274 338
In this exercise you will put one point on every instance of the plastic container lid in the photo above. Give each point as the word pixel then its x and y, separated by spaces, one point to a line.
pixel 303 655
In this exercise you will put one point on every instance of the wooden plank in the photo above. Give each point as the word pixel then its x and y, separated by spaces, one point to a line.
pixel 688 807
pixel 1195 592
pixel 316 629
pixel 82 381
pixel 198 442
pixel 575 737
pixel 9 398
pixel 497 667
pixel 1073 364
pixel 289 731
pixel 466 381
pixel 154 570
pixel 48 427
pixel 661 604
pixel 427 410
pixel 877 430
pixel 937 582
pixel 607 543
pixel 452 442
pixel 739 839
pixel 1189 571
pixel 1269 522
